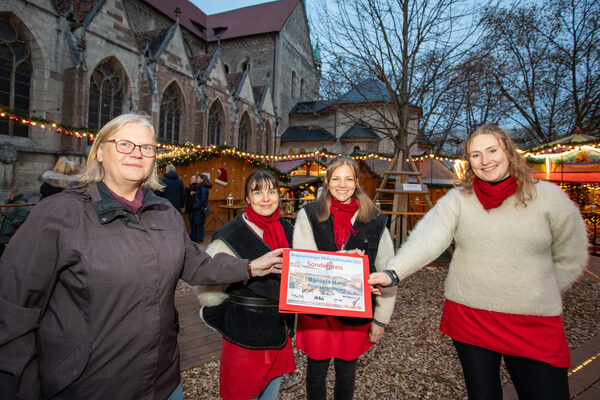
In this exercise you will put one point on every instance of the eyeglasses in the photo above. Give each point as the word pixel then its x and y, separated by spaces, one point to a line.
pixel 127 147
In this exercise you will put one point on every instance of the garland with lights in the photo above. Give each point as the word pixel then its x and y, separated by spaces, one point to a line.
pixel 16 116
pixel 183 155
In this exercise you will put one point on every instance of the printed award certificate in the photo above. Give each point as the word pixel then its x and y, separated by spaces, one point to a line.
pixel 322 282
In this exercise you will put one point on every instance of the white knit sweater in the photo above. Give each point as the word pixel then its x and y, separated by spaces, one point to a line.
pixel 511 259
pixel 304 239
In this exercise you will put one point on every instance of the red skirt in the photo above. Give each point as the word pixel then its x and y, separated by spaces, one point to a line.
pixel 244 373
pixel 325 338
pixel 535 337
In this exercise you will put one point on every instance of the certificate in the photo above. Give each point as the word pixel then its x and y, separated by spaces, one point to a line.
pixel 322 282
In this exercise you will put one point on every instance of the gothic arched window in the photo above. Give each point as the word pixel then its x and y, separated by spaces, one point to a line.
pixel 106 95
pixel 214 125
pixel 15 78
pixel 170 114
pixel 244 133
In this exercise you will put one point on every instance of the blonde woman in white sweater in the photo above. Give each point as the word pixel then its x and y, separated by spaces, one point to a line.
pixel 519 244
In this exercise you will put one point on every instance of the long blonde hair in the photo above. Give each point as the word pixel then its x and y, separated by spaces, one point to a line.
pixel 94 172
pixel 366 209
pixel 517 166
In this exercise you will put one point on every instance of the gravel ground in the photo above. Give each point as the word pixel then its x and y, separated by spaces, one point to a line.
pixel 413 360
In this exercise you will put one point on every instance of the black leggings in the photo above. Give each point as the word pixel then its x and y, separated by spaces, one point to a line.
pixel 316 377
pixel 532 379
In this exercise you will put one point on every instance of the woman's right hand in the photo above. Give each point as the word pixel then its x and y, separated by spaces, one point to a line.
pixel 378 279
pixel 268 263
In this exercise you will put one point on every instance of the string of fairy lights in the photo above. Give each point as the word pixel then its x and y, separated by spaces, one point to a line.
pixel 191 152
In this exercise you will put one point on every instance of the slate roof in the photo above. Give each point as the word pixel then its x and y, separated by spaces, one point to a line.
pixel 192 18
pixel 151 41
pixel 252 20
pixel 308 107
pixel 369 90
pixel 306 134
pixel 359 130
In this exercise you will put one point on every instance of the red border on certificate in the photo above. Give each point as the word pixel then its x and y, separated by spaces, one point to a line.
pixel 326 283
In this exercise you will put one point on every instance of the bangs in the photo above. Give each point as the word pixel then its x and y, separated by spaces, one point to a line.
pixel 261 184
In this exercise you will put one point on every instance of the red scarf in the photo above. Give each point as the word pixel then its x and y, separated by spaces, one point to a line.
pixel 342 225
pixel 273 233
pixel 490 195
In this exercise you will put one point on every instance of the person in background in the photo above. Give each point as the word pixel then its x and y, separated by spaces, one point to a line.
pixel 190 196
pixel 173 190
pixel 343 218
pixel 59 178
pixel 257 346
pixel 11 218
pixel 88 281
pixel 519 244
pixel 199 204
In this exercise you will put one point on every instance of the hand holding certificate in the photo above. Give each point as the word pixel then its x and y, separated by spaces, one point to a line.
pixel 319 282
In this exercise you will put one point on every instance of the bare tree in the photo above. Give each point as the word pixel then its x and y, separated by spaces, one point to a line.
pixel 546 63
pixel 410 48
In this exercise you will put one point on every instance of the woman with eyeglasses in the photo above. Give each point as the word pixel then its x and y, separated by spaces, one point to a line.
pixel 257 347
pixel 88 281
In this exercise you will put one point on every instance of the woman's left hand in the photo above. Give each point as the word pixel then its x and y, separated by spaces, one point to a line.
pixel 375 333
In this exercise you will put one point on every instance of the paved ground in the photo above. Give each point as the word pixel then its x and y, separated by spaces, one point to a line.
pixel 584 374
pixel 199 345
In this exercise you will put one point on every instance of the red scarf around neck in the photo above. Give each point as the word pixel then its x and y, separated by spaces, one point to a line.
pixel 273 233
pixel 492 196
pixel 342 220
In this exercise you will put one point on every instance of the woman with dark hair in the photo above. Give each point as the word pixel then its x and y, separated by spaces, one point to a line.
pixel 257 348
pixel 343 218
pixel 88 281
pixel 519 244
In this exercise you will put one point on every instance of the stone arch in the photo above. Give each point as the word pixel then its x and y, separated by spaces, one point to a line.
pixel 108 86
pixel 216 123
pixel 171 113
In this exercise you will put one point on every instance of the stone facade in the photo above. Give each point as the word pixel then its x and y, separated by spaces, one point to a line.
pixel 90 60
pixel 357 122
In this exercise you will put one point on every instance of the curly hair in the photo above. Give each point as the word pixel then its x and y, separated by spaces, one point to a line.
pixel 517 168
pixel 366 208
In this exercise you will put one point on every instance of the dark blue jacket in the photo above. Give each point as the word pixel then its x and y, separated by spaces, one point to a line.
pixel 174 190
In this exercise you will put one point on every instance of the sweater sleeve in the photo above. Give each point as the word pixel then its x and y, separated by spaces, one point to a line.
pixel 303 233
pixel 430 237
pixel 569 240
pixel 384 303
pixel 212 295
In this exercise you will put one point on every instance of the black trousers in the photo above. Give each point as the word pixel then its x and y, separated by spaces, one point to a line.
pixel 532 379
pixel 316 377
